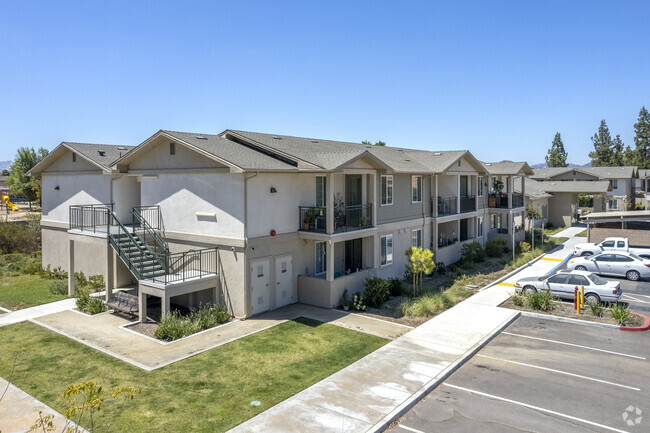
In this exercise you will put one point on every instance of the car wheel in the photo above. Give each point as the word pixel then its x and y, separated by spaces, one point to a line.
pixel 529 290
pixel 632 275
pixel 592 298
pixel 580 268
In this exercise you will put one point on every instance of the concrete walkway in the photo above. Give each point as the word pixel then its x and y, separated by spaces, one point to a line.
pixel 19 411
pixel 107 333
pixel 37 311
pixel 369 394
pixel 570 232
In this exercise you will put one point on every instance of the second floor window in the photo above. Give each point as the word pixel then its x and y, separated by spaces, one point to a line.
pixel 416 188
pixel 416 238
pixel 614 183
pixel 387 190
pixel 321 190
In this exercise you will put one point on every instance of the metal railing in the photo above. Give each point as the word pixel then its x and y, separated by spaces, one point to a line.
pixel 146 231
pixel 188 264
pixel 93 216
pixel 313 218
pixel 467 203
pixel 151 214
pixel 498 201
pixel 447 206
pixel 517 199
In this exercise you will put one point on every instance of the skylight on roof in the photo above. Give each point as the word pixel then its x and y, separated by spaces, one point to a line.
pixel 314 141
pixel 121 148
pixel 200 137
pixel 277 138
pixel 489 164
pixel 101 153
pixel 437 154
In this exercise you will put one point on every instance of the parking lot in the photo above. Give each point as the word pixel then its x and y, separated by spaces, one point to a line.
pixel 544 376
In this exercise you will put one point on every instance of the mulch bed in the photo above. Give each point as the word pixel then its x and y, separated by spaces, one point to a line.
pixel 565 309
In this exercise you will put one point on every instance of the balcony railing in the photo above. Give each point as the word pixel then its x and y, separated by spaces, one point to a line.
pixel 92 217
pixel 467 204
pixel 498 201
pixel 517 199
pixel 447 206
pixel 346 218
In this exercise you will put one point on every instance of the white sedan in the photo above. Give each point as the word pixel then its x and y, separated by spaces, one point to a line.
pixel 620 264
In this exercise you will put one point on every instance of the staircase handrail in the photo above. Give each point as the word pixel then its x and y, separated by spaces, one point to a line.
pixel 137 215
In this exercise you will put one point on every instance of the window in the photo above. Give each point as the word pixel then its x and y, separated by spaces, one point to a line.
pixel 614 183
pixel 172 148
pixel 578 280
pixel 74 157
pixel 607 244
pixel 620 244
pixel 386 250
pixel 620 258
pixel 321 190
pixel 613 204
pixel 558 279
pixel 480 186
pixel 416 238
pixel 604 258
pixel 387 190
pixel 416 189
pixel 479 229
pixel 321 257
pixel 495 221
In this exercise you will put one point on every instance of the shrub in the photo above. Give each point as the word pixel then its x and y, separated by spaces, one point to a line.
pixel 54 274
pixel 518 300
pixel 19 238
pixel 58 287
pixel 89 304
pixel 96 281
pixel 358 302
pixel 344 301
pixel 467 264
pixel 472 252
pixel 395 286
pixel 80 280
pixel 427 305
pixel 376 292
pixel 174 326
pixel 440 268
pixel 539 300
pixel 524 247
pixel 597 309
pixel 495 248
pixel 620 313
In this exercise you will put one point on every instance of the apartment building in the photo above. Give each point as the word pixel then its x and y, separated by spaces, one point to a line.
pixel 259 221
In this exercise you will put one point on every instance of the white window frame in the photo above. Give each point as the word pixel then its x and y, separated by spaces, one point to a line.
pixel 480 186
pixel 416 238
pixel 388 180
pixel 324 270
pixel 416 190
pixel 614 183
pixel 323 193
pixel 613 201
pixel 384 245
pixel 479 227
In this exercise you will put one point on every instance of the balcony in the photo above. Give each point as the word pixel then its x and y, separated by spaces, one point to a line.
pixel 498 201
pixel 467 203
pixel 447 206
pixel 346 218
pixel 517 199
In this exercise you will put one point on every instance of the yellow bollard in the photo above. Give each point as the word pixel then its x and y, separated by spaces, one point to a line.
pixel 578 302
pixel 582 296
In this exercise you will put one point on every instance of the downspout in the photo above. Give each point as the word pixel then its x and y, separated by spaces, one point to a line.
pixel 246 273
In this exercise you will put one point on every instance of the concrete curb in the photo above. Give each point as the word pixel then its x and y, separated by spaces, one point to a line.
pixel 567 320
pixel 645 326
pixel 5 310
pixel 435 382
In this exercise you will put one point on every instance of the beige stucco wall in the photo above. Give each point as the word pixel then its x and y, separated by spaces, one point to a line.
pixel 156 157
pixel 74 189
pixel 402 207
pixel 559 209
pixel 126 196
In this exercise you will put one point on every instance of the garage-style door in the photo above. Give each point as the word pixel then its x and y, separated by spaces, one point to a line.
pixel 283 281
pixel 259 279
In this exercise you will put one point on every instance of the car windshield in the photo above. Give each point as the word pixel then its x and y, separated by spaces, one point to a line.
pixel 634 256
pixel 597 280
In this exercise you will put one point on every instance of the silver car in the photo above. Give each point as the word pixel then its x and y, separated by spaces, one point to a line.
pixel 620 264
pixel 563 286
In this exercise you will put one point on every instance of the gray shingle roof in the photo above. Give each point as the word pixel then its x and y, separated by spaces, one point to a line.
pixel 533 189
pixel 507 168
pixel 578 186
pixel 102 154
pixel 599 172
pixel 230 151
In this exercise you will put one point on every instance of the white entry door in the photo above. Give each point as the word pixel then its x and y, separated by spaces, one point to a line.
pixel 260 286
pixel 283 281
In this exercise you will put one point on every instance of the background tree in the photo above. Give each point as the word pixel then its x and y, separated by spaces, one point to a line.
pixel 18 182
pixel 556 154
pixel 602 140
pixel 378 143
pixel 629 156
pixel 618 152
pixel 5 172
pixel 532 211
pixel 642 139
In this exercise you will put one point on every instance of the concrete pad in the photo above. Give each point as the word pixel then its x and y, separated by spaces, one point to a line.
pixel 37 311
pixel 569 232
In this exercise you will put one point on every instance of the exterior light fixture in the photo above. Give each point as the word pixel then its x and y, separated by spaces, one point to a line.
pixel 273 190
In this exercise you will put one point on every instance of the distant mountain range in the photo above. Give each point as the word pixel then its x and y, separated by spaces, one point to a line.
pixel 543 165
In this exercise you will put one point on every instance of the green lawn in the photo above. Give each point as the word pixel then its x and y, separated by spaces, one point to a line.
pixel 209 392
pixel 583 233
pixel 25 291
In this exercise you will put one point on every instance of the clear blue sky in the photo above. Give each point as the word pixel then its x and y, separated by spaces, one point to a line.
pixel 497 78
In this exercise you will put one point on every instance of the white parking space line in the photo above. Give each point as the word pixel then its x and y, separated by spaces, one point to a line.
pixel 414 430
pixel 638 294
pixel 559 372
pixel 537 408
pixel 575 345
pixel 626 296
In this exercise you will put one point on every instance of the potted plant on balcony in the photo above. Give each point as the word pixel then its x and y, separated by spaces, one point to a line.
pixel 310 217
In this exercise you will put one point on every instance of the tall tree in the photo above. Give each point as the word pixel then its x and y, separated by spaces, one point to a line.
pixel 618 152
pixel 629 156
pixel 556 154
pixel 602 140
pixel 642 139
pixel 18 182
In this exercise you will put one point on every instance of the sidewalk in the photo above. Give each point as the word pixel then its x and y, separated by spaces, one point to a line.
pixel 369 394
pixel 37 311
pixel 570 232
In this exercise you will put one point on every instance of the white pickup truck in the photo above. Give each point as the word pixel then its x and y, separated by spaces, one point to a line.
pixel 610 244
